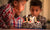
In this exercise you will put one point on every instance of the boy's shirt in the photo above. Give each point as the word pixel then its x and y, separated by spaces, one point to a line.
pixel 17 23
pixel 7 17
pixel 43 21
pixel 39 18
pixel 6 14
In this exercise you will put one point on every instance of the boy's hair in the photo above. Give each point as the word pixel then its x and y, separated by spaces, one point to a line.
pixel 10 1
pixel 36 3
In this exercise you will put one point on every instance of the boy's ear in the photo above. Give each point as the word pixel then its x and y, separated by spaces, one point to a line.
pixel 41 10
pixel 30 8
pixel 15 3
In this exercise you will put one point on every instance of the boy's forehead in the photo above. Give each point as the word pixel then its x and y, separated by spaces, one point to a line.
pixel 21 0
pixel 35 6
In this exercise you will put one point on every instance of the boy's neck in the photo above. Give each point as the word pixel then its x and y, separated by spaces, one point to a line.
pixel 16 16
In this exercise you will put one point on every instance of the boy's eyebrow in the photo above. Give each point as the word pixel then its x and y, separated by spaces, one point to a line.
pixel 22 0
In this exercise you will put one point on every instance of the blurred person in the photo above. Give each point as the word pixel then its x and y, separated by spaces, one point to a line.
pixel 9 14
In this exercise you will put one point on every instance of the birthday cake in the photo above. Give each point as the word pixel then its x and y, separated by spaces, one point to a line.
pixel 33 23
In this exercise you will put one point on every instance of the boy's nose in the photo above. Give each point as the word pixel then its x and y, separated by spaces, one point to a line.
pixel 20 8
pixel 34 12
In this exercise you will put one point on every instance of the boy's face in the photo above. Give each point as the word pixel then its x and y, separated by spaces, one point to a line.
pixel 19 6
pixel 35 10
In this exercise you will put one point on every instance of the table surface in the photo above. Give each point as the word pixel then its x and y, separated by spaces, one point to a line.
pixel 24 29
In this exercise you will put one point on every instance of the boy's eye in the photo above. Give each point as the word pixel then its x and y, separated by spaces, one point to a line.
pixel 32 9
pixel 36 10
pixel 22 4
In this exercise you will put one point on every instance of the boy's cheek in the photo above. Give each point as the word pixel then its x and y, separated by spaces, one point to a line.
pixel 37 13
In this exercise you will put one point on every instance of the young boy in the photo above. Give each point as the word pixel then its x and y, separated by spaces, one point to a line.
pixel 18 7
pixel 35 9
pixel 9 14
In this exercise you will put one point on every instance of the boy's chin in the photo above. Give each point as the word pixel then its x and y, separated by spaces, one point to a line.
pixel 18 14
pixel 34 15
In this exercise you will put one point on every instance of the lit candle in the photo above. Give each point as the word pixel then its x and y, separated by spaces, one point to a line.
pixel 35 19
pixel 26 18
pixel 32 19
